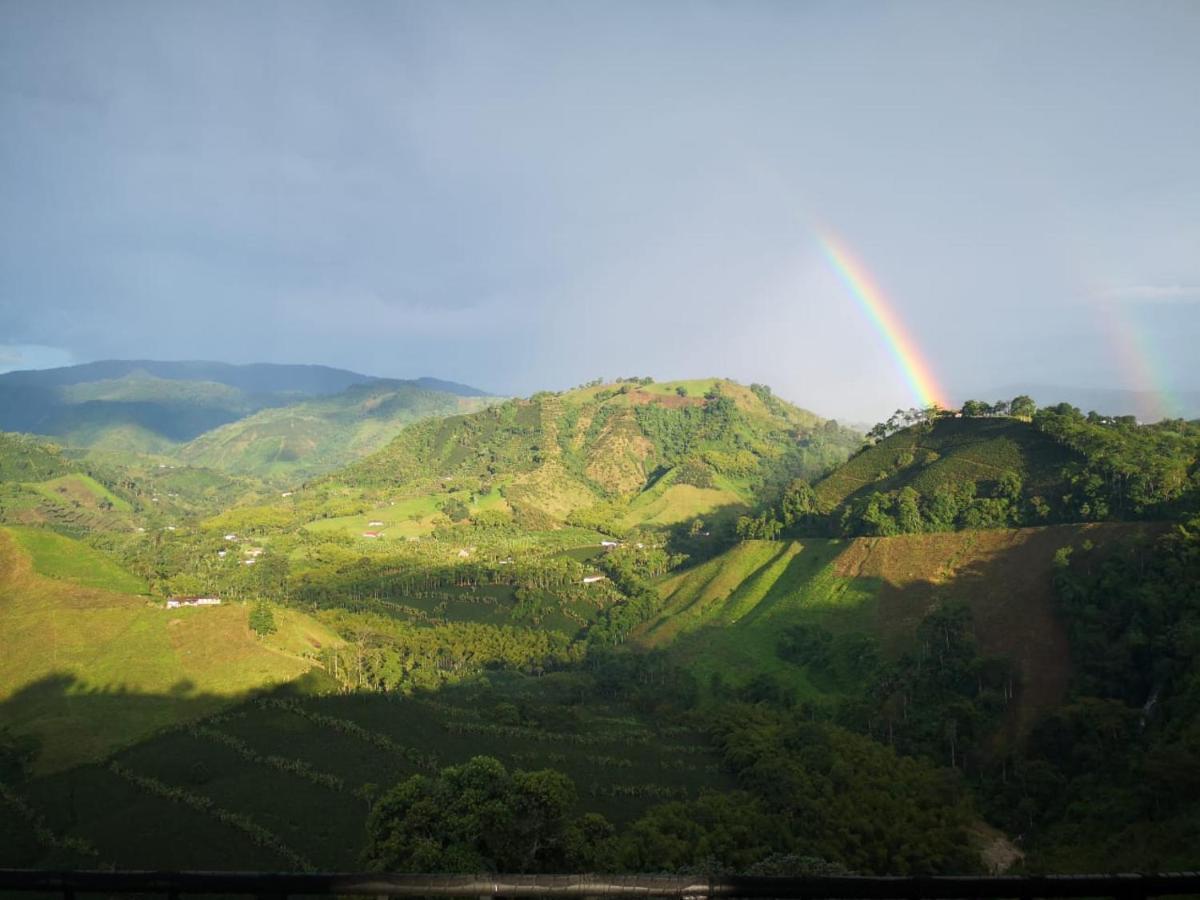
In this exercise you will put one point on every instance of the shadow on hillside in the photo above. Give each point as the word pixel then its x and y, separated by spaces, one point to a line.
pixel 888 586
pixel 303 764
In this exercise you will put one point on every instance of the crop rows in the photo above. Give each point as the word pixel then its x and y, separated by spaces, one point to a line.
pixel 41 831
pixel 295 767
pixel 426 761
pixel 205 805
pixel 534 734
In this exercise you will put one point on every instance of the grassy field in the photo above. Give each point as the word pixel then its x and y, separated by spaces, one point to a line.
pixel 284 781
pixel 56 556
pixel 81 488
pixel 66 640
pixel 725 616
pixel 410 517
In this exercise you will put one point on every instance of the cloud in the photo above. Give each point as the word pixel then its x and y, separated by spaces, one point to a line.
pixel 1153 293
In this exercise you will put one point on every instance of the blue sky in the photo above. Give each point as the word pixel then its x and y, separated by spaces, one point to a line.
pixel 530 195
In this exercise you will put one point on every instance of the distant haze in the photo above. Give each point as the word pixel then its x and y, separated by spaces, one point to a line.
pixel 529 195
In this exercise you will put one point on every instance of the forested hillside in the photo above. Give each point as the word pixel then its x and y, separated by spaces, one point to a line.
pixel 987 467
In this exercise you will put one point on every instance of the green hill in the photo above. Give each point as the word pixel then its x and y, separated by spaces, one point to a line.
pixel 143 406
pixel 68 612
pixel 315 436
pixel 725 618
pixel 994 471
pixel 612 456
pixel 948 455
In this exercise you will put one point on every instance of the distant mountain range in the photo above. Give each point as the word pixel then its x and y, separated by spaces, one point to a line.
pixel 154 407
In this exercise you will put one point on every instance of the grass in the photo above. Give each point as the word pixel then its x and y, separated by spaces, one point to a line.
pixel 409 517
pixel 726 615
pixel 696 387
pixel 66 640
pixel 79 487
pixel 60 557
pixel 678 503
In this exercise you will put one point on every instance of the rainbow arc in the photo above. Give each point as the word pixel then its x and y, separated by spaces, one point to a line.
pixel 882 313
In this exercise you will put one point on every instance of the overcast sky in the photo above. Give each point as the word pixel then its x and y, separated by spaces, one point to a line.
pixel 530 195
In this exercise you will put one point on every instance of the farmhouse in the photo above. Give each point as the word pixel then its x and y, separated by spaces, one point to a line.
pixel 176 602
pixel 610 544
pixel 592 579
pixel 372 534
pixel 373 524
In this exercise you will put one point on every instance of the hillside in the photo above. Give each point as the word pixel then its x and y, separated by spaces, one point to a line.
pixel 73 626
pixel 310 437
pixel 147 406
pixel 612 456
pixel 726 617
pixel 973 470
pixel 948 455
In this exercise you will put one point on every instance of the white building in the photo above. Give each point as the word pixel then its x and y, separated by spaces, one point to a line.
pixel 176 602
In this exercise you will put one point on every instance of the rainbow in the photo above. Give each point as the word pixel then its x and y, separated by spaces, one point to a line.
pixel 1137 358
pixel 912 364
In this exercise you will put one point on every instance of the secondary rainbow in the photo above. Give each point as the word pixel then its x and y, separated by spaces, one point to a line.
pixel 1138 361
pixel 882 314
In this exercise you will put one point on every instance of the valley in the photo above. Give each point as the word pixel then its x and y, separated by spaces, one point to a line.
pixel 724 628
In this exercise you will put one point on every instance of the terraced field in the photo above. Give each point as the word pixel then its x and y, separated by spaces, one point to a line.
pixel 286 780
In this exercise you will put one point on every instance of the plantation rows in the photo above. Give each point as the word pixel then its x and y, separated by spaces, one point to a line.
pixel 290 780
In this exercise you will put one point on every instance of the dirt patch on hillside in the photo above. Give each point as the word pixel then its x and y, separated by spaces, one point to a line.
pixel 1005 577
pixel 671 401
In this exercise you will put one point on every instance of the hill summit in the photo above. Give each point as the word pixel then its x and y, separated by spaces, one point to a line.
pixel 618 454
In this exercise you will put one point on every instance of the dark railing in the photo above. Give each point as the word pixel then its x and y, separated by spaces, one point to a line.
pixel 280 885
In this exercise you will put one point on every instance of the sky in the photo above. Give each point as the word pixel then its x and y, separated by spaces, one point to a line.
pixel 527 196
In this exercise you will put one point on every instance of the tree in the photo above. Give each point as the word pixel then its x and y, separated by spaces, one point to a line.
pixel 681 391
pixel 1022 406
pixel 974 408
pixel 262 620
pixel 456 510
pixel 475 817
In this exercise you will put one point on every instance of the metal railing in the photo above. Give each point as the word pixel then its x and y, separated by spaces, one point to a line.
pixel 280 885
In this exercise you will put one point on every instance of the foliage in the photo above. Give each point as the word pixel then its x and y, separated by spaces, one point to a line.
pixel 474 817
pixel 262 620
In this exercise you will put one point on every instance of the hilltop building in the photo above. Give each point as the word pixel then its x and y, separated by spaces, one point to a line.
pixel 176 602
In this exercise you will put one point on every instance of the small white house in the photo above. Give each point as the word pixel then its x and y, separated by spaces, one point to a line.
pixel 592 579
pixel 231 537
pixel 176 602
pixel 374 524
pixel 610 543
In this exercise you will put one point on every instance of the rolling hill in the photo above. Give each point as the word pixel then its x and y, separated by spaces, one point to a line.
pixel 611 456
pixel 948 453
pixel 74 625
pixel 131 406
pixel 726 616
pixel 314 436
